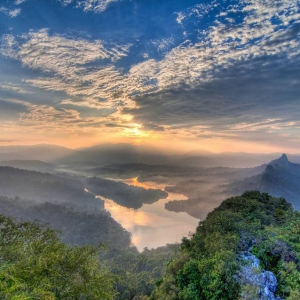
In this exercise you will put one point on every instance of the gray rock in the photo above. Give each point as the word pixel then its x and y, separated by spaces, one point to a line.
pixel 264 283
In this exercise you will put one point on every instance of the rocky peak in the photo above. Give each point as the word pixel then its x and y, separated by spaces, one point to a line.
pixel 283 158
pixel 281 161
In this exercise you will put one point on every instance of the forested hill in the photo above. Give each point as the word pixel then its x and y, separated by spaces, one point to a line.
pixel 70 190
pixel 46 187
pixel 247 248
pixel 226 256
pixel 63 204
pixel 31 165
pixel 77 228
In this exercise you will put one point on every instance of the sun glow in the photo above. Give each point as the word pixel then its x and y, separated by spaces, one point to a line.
pixel 134 130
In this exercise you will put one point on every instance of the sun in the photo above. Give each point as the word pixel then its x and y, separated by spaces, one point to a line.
pixel 134 130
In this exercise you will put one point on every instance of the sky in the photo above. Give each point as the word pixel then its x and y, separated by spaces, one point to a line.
pixel 216 75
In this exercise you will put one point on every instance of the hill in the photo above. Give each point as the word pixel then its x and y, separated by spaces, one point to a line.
pixel 76 228
pixel 280 178
pixel 247 248
pixel 43 152
pixel 31 165
pixel 45 187
pixel 35 264
pixel 114 154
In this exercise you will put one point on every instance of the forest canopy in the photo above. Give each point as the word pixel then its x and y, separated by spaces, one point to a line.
pixel 35 264
pixel 211 260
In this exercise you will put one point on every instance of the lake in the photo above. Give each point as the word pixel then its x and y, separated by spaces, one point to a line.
pixel 152 225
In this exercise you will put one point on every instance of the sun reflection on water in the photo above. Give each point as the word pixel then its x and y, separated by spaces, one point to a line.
pixel 152 225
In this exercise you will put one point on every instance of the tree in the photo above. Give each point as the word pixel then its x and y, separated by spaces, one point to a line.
pixel 35 264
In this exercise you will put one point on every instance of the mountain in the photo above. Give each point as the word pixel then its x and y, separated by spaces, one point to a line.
pixel 42 152
pixel 77 227
pixel 247 248
pixel 115 154
pixel 280 178
pixel 31 165
pixel 71 191
pixel 45 187
pixel 226 159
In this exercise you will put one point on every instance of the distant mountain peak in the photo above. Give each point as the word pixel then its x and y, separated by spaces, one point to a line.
pixel 283 157
pixel 282 160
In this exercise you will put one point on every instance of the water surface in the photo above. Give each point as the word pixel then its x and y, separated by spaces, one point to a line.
pixel 152 225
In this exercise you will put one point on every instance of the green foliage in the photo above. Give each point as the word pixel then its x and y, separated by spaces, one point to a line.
pixel 278 248
pixel 207 266
pixel 76 227
pixel 34 264
pixel 136 274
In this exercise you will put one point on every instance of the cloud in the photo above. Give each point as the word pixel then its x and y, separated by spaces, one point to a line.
pixel 180 17
pixel 11 109
pixel 64 56
pixel 164 45
pixel 43 117
pixel 18 2
pixel 12 87
pixel 9 46
pixel 95 6
pixel 239 66
pixel 79 68
pixel 238 73
pixel 8 141
pixel 10 12
pixel 65 2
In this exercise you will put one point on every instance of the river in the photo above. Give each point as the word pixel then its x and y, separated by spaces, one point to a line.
pixel 152 225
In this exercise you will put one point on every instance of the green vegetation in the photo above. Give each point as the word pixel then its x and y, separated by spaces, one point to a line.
pixel 34 264
pixel 136 273
pixel 278 248
pixel 77 228
pixel 209 261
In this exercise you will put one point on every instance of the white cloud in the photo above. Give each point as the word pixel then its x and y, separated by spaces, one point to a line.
pixel 10 12
pixel 164 45
pixel 6 86
pixel 64 56
pixel 65 2
pixel 45 116
pixel 225 44
pixel 18 2
pixel 96 6
pixel 180 17
pixel 9 46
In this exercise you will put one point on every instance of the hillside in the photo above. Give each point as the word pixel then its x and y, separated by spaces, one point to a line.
pixel 75 227
pixel 43 152
pixel 45 187
pixel 35 264
pixel 247 248
pixel 31 165
pixel 280 178
pixel 114 153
